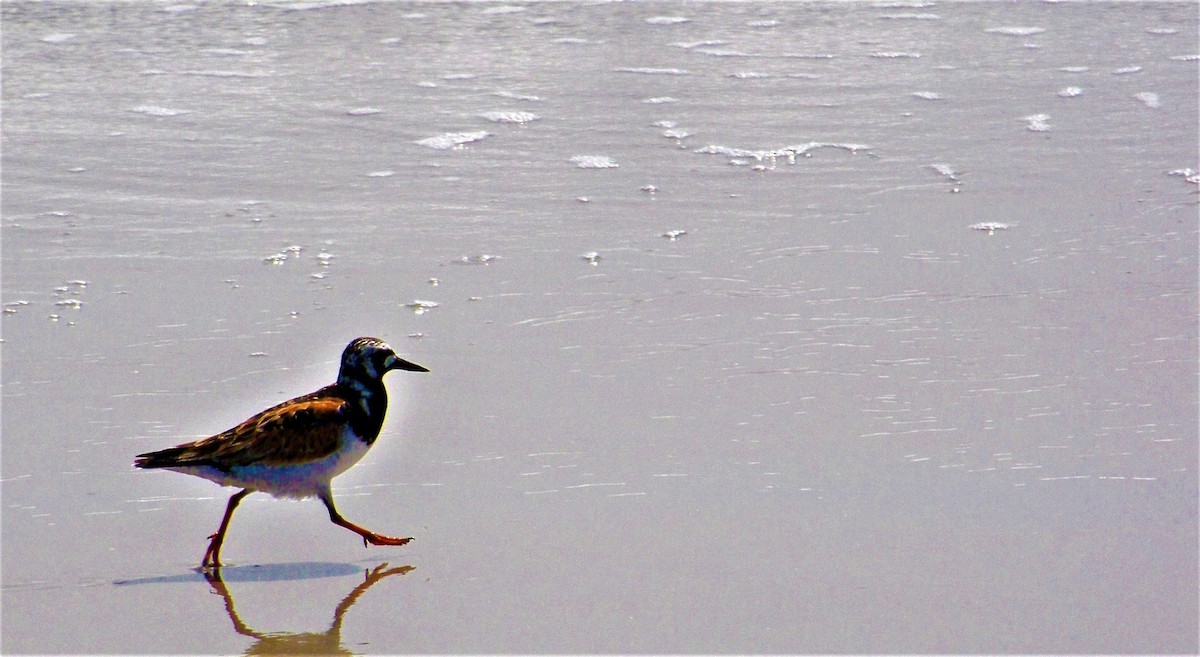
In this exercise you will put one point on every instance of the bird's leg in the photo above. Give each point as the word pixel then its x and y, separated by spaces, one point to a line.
pixel 368 536
pixel 212 556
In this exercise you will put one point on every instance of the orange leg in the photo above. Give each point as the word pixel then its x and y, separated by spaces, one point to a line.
pixel 367 535
pixel 212 557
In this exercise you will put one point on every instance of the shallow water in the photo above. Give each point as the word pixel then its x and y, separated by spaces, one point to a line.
pixel 768 327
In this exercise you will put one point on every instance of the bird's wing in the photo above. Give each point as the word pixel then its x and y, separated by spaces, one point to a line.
pixel 300 430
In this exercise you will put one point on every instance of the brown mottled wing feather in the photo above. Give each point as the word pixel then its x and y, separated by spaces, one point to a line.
pixel 299 430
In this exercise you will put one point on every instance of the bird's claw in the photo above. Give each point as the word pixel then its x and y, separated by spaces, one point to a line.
pixel 379 539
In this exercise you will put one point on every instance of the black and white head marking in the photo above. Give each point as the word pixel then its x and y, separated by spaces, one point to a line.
pixel 365 360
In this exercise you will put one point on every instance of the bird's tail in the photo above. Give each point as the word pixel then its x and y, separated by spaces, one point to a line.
pixel 164 458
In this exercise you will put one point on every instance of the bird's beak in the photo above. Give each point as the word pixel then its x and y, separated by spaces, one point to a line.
pixel 397 363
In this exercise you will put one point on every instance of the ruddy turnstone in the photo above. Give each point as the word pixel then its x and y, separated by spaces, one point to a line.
pixel 296 448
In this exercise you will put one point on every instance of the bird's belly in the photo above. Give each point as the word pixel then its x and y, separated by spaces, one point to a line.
pixel 295 480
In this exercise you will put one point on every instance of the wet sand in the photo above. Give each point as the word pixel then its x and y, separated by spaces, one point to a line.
pixel 752 328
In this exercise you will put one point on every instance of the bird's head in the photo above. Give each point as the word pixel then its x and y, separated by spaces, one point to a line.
pixel 368 359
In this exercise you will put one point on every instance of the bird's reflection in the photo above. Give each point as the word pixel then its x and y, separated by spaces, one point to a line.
pixel 328 642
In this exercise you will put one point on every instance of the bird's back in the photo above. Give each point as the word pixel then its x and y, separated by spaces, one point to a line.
pixel 300 429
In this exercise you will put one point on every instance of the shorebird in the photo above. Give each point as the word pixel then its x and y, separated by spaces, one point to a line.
pixel 296 448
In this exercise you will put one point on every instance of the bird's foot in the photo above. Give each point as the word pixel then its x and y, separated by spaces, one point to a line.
pixel 380 539
pixel 212 556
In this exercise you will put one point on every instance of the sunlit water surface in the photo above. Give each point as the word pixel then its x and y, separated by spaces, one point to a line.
pixel 760 327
